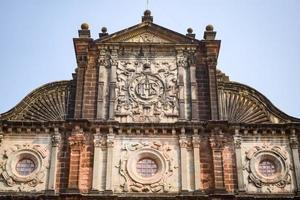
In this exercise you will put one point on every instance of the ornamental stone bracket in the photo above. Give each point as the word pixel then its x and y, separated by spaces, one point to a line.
pixel 10 157
pixel 281 168
pixel 158 152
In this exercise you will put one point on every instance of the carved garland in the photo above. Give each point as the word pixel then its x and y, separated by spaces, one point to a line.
pixel 278 156
pixel 11 156
pixel 133 182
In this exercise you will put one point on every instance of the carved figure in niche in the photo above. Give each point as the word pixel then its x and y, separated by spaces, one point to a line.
pixel 147 90
pixel 146 167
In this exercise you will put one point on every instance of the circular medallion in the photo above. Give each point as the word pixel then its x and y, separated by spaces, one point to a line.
pixel 146 88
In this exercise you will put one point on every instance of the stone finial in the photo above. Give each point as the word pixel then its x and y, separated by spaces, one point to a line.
pixel 103 32
pixel 84 32
pixel 84 26
pixel 209 33
pixel 147 16
pixel 190 33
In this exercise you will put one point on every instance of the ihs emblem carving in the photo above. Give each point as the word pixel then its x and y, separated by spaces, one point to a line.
pixel 147 91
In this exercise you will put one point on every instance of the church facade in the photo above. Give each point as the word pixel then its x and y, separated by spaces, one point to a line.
pixel 148 115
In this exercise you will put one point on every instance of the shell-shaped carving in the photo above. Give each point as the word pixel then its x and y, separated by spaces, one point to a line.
pixel 47 103
pixel 242 104
pixel 236 107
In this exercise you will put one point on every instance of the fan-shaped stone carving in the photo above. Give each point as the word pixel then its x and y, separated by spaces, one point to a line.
pixel 236 107
pixel 47 103
pixel 242 104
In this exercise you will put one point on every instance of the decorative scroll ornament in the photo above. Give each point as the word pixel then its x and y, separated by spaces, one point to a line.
pixel 9 159
pixel 132 181
pixel 276 155
pixel 146 91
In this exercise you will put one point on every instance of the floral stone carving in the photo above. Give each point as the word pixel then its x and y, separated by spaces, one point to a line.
pixel 269 166
pixel 146 91
pixel 159 153
pixel 11 157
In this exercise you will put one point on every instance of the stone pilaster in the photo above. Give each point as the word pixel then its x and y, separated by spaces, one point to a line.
pixel 193 88
pixel 217 145
pixel 196 151
pixel 112 82
pixel 183 143
pixel 103 64
pixel 239 163
pixel 76 143
pixel 182 78
pixel 98 167
pixel 56 138
pixel 295 157
pixel 109 163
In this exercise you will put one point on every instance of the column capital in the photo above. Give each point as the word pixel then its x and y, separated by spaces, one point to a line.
pixel 99 140
pixel 110 140
pixel 56 137
pixel 196 141
pixel 294 140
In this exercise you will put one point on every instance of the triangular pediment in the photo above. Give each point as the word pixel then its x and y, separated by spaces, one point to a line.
pixel 147 33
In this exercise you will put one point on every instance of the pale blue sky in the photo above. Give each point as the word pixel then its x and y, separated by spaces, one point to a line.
pixel 260 40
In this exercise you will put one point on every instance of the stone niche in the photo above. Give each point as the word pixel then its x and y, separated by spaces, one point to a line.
pixel 24 163
pixel 147 89
pixel 267 165
pixel 146 164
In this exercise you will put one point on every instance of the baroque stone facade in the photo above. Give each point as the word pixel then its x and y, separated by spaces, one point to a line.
pixel 147 115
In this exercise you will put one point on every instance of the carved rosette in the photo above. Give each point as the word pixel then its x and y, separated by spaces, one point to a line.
pixel 134 182
pixel 9 159
pixel 278 157
pixel 146 91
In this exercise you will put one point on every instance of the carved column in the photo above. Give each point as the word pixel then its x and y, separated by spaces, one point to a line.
pixel 196 148
pixel 98 168
pixel 53 160
pixel 109 163
pixel 112 83
pixel 182 75
pixel 183 143
pixel 76 142
pixel 193 88
pixel 103 64
pixel 295 154
pixel 217 145
pixel 239 162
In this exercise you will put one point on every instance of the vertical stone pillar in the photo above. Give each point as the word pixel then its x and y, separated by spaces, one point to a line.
pixel 295 157
pixel 98 167
pixel 196 149
pixel 217 145
pixel 193 88
pixel 183 143
pixel 182 65
pixel 239 162
pixel 212 47
pixel 53 160
pixel 76 143
pixel 103 64
pixel 109 163
pixel 112 83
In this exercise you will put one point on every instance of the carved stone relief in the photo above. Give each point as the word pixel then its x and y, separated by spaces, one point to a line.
pixel 146 90
pixel 278 171
pixel 160 153
pixel 9 161
pixel 147 37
